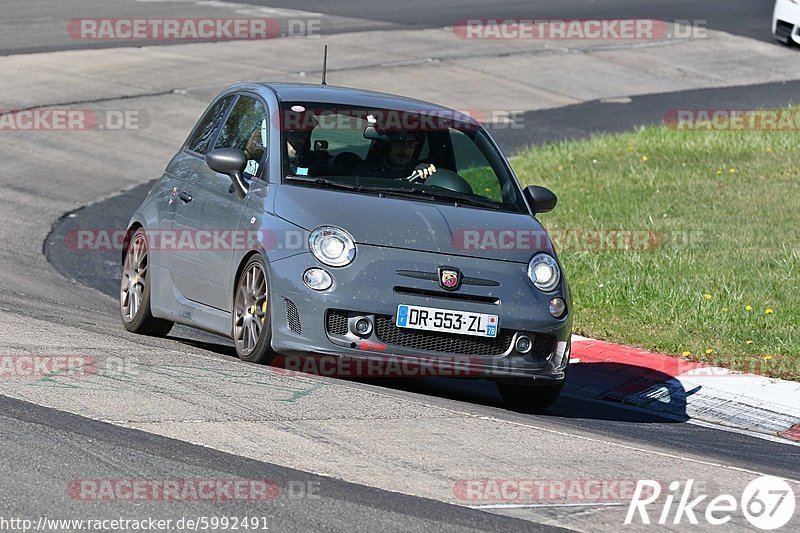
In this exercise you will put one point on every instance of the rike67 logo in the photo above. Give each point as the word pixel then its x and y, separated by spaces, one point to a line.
pixel 768 503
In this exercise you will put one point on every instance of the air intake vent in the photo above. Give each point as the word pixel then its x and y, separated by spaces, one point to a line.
pixel 336 322
pixel 543 345
pixel 293 317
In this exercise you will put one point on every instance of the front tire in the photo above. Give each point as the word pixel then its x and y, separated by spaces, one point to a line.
pixel 134 294
pixel 528 398
pixel 252 328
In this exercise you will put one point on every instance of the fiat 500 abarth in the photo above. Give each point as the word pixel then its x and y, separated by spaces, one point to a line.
pixel 310 221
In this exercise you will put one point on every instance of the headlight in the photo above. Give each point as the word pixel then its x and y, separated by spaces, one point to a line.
pixel 544 273
pixel 332 246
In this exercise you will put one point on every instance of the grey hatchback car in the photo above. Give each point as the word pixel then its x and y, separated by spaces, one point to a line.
pixel 309 221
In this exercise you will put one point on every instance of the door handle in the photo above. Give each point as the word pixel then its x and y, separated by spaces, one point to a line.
pixel 185 196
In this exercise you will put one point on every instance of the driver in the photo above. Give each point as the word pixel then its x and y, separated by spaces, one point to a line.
pixel 254 149
pixel 302 158
pixel 298 150
pixel 398 159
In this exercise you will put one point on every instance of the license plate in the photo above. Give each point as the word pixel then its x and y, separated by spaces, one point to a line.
pixel 444 320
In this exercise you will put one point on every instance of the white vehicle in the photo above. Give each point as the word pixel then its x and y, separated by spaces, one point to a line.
pixel 786 21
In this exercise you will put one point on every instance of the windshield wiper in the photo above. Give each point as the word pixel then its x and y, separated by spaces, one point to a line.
pixel 413 192
pixel 417 192
pixel 326 183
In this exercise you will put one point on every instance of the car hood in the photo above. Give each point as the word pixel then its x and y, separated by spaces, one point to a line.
pixel 415 225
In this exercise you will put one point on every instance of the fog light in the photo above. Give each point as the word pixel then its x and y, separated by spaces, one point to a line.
pixel 317 279
pixel 362 327
pixel 523 344
pixel 558 307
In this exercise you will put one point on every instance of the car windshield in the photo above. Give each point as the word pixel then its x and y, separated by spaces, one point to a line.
pixel 435 157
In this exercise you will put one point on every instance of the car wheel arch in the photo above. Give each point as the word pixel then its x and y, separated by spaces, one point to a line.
pixel 134 227
pixel 240 268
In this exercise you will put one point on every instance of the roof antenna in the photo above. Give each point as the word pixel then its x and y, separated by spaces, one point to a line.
pixel 325 65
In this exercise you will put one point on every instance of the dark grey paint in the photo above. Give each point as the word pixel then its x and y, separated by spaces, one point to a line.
pixel 196 288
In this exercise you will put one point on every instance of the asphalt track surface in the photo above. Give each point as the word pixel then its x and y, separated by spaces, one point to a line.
pixel 742 17
pixel 44 448
pixel 304 502
pixel 37 26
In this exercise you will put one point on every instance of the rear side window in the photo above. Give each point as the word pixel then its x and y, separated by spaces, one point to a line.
pixel 208 125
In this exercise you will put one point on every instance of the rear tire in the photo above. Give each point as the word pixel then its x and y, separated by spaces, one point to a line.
pixel 134 294
pixel 252 327
pixel 528 398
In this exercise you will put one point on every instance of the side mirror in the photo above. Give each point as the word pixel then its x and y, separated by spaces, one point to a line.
pixel 231 162
pixel 541 199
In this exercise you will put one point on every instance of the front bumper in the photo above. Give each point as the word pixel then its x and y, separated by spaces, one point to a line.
pixel 307 322
pixel 786 21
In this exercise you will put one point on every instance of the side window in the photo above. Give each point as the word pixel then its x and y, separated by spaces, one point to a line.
pixel 208 125
pixel 246 130
pixel 473 166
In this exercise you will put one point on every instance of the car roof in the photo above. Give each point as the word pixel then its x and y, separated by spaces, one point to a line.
pixel 308 92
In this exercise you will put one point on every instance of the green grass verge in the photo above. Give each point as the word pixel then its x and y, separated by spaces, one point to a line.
pixel 719 279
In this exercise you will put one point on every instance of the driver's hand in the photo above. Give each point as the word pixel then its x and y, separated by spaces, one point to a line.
pixel 424 171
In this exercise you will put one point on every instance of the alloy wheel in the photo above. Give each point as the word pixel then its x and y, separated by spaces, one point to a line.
pixel 250 309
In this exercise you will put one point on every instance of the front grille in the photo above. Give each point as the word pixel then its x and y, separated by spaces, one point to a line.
pixel 447 295
pixel 784 29
pixel 336 322
pixel 435 341
pixel 293 317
